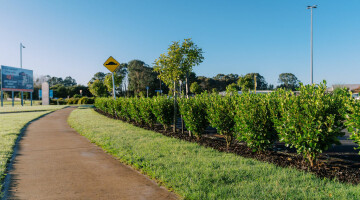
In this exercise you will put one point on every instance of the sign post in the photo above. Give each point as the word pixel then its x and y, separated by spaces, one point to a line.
pixel 111 64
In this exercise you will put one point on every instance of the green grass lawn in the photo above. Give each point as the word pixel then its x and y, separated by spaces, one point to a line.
pixel 19 108
pixel 26 103
pixel 10 127
pixel 196 172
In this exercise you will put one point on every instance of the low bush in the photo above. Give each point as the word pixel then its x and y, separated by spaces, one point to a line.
pixel 163 109
pixel 134 111
pixel 311 122
pixel 145 111
pixel 253 121
pixel 220 114
pixel 353 119
pixel 193 111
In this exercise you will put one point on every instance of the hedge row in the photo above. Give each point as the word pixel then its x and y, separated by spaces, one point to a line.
pixel 310 122
pixel 82 100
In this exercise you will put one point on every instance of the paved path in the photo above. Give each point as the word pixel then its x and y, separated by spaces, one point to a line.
pixel 55 162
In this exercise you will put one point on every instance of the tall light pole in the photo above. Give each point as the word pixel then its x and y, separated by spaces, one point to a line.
pixel 22 93
pixel 21 47
pixel 311 42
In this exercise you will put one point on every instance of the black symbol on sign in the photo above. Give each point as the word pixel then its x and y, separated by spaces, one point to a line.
pixel 111 63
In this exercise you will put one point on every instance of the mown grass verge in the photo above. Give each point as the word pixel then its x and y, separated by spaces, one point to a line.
pixel 11 125
pixel 196 172
pixel 18 108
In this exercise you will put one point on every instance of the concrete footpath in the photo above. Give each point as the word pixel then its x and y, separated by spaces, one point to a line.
pixel 55 162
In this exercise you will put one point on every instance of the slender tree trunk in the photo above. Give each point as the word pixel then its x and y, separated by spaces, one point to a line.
pixel 187 85
pixel 175 96
pixel 187 92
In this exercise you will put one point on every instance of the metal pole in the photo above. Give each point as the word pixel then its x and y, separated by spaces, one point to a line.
pixel 312 80
pixel 21 55
pixel 311 44
pixel 31 98
pixel 12 96
pixel 2 103
pixel 22 93
pixel 113 85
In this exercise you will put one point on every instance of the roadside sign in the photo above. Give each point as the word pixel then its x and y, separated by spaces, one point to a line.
pixel 16 79
pixel 147 87
pixel 51 94
pixel 111 64
pixel 40 94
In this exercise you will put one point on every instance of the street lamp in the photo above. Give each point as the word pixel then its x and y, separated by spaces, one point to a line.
pixel 22 93
pixel 311 42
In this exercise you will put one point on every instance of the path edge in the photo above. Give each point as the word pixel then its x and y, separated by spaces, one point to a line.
pixel 7 179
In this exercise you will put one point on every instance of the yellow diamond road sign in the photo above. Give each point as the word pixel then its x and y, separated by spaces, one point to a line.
pixel 111 64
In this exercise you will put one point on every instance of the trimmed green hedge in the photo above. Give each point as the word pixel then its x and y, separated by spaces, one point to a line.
pixel 310 122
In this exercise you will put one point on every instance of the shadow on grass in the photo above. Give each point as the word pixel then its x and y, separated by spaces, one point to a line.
pixel 25 111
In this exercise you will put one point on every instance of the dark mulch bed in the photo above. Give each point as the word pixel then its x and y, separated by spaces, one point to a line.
pixel 330 167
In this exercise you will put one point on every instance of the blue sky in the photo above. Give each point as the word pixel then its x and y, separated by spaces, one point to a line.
pixel 74 38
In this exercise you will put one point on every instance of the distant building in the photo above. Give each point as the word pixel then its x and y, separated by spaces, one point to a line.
pixel 349 86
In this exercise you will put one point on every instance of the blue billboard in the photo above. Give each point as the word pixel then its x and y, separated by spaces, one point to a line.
pixel 16 79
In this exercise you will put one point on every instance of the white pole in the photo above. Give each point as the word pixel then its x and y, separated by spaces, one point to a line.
pixel 20 55
pixel 22 93
pixel 312 78
pixel 113 85
pixel 311 44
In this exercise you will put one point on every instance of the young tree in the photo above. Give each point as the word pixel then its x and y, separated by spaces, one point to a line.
pixel 177 64
pixel 118 78
pixel 288 81
pixel 98 88
pixel 141 76
pixel 195 88
pixel 246 82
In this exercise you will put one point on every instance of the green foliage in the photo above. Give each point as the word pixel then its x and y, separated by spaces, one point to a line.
pixel 107 105
pixel 179 61
pixel 193 111
pixel 141 76
pixel 288 81
pixel 86 100
pixel 246 83
pixel 220 114
pixel 145 111
pixel 109 83
pixel 253 121
pixel 134 109
pixel 163 109
pixel 195 88
pixel 72 100
pixel 232 89
pixel 353 119
pixel 196 172
pixel 98 88
pixel 310 122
